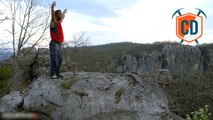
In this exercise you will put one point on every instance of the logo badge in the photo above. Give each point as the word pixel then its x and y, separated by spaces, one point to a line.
pixel 189 26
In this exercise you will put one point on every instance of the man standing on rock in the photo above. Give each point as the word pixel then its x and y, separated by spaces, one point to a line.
pixel 57 37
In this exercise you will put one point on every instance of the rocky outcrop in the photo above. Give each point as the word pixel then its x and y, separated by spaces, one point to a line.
pixel 207 54
pixel 143 64
pixel 26 66
pixel 93 96
pixel 164 77
pixel 43 61
pixel 181 61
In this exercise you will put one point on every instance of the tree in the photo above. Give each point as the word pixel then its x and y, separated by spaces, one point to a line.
pixel 29 22
pixel 80 39
pixel 3 19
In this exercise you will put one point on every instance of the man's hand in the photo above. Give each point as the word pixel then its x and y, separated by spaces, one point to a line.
pixel 53 20
pixel 53 4
pixel 65 11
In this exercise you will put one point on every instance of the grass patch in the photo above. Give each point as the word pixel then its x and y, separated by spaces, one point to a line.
pixel 68 83
pixel 118 95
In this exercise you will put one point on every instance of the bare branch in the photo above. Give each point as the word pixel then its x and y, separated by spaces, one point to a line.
pixel 80 40
pixel 2 20
pixel 29 22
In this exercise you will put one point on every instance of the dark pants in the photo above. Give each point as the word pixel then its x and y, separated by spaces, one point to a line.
pixel 55 58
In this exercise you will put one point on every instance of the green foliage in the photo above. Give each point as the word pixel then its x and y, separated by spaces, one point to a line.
pixel 5 74
pixel 202 114
pixel 190 94
pixel 118 95
pixel 68 83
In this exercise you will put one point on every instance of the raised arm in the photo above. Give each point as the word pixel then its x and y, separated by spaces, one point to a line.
pixel 63 14
pixel 53 17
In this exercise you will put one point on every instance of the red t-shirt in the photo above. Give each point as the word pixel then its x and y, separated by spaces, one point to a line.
pixel 56 33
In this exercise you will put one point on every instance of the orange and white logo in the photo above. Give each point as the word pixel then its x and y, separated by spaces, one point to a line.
pixel 189 26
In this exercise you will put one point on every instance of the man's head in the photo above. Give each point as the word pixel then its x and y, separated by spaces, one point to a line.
pixel 58 15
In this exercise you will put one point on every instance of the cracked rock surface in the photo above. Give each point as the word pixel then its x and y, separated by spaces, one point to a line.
pixel 93 96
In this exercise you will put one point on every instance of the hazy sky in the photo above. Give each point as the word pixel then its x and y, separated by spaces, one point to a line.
pixel 141 21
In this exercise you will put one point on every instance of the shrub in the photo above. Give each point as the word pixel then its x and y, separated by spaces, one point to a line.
pixel 5 74
pixel 189 95
pixel 202 114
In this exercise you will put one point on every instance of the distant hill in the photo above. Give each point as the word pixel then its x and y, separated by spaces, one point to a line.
pixel 101 58
pixel 5 53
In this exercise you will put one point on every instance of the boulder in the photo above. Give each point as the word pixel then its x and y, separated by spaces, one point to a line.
pixel 164 77
pixel 95 96
pixel 10 102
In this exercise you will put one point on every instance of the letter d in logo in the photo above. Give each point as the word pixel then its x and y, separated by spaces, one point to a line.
pixel 189 27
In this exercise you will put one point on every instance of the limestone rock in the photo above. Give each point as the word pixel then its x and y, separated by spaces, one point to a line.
pixel 10 102
pixel 164 76
pixel 127 63
pixel 181 61
pixel 95 96
pixel 27 66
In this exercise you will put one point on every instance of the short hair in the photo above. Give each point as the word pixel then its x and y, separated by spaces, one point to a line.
pixel 57 11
